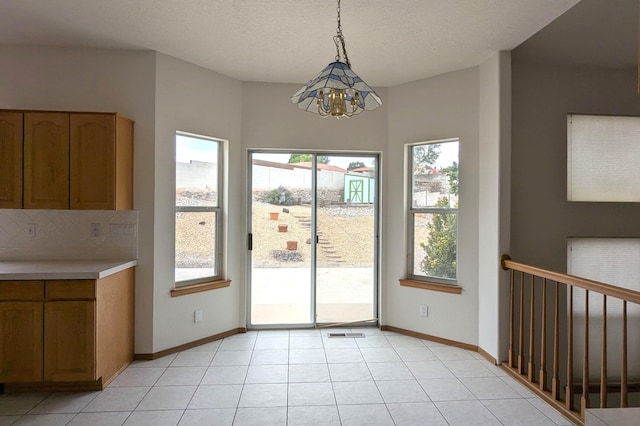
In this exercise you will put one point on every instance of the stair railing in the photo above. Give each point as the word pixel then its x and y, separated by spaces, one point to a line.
pixel 554 379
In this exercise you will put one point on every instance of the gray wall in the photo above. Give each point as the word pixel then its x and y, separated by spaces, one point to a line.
pixel 541 217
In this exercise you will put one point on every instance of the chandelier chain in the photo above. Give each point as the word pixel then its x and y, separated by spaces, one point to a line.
pixel 339 40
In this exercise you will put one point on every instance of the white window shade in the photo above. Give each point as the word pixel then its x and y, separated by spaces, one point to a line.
pixel 603 158
pixel 614 261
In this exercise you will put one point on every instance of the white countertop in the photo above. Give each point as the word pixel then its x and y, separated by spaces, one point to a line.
pixel 61 269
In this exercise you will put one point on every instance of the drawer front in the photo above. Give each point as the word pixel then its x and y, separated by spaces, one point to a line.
pixel 21 290
pixel 70 289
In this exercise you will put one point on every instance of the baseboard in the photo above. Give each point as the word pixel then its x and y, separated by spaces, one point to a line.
pixel 190 345
pixel 85 386
pixel 487 356
pixel 437 339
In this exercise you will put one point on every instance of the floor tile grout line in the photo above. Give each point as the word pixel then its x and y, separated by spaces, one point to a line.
pixel 199 383
pixel 333 389
pixel 37 404
pixel 331 381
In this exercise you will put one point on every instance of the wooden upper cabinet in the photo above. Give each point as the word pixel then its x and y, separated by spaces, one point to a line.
pixel 62 160
pixel 46 160
pixel 10 160
pixel 101 162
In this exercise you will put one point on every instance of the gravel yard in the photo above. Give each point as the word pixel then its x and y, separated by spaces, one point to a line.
pixel 346 236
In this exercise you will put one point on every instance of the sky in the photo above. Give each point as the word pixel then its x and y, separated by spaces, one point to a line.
pixel 190 148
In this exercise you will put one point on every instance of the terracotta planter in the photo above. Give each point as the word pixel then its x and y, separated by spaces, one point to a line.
pixel 292 245
pixel 273 215
pixel 282 228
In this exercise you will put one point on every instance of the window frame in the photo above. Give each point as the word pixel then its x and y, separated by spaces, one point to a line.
pixel 412 211
pixel 218 210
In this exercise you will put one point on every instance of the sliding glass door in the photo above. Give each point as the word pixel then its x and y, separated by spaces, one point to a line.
pixel 313 239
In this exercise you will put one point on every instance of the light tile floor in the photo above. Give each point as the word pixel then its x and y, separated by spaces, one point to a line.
pixel 298 377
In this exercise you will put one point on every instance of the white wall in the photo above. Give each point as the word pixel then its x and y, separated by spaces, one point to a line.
pixel 104 81
pixel 270 120
pixel 67 234
pixel 195 100
pixel 163 94
pixel 441 107
pixel 265 178
pixel 494 197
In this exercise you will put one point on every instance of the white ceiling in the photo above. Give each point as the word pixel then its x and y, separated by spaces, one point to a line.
pixel 288 41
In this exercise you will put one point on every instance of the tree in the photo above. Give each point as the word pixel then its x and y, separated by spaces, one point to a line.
pixel 424 157
pixel 452 173
pixel 355 165
pixel 307 158
pixel 440 258
pixel 441 250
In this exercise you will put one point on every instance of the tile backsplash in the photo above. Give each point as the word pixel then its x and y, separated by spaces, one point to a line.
pixel 29 234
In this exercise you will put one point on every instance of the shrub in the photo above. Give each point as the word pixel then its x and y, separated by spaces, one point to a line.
pixel 280 195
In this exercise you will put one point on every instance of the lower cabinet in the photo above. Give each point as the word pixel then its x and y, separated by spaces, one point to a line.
pixel 65 334
pixel 69 341
pixel 21 344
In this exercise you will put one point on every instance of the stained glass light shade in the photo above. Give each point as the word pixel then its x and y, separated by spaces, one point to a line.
pixel 336 91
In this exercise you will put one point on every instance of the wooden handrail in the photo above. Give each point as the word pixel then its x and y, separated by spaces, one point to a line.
pixel 526 302
pixel 572 280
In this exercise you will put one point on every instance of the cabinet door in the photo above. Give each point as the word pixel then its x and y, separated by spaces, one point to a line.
pixel 93 158
pixel 46 161
pixel 69 341
pixel 21 343
pixel 10 160
pixel 124 163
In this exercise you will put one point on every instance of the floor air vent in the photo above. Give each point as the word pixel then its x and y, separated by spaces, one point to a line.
pixel 346 335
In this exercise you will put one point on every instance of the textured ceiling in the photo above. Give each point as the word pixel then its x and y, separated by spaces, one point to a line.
pixel 288 41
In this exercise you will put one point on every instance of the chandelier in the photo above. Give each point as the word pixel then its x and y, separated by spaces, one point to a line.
pixel 337 91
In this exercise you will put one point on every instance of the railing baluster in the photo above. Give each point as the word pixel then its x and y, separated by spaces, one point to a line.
pixel 584 400
pixel 555 383
pixel 603 357
pixel 574 404
pixel 569 388
pixel 511 317
pixel 543 338
pixel 530 367
pixel 521 327
pixel 623 371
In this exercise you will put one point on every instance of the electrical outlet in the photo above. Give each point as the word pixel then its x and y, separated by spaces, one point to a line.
pixel 95 229
pixel 31 230
pixel 197 316
pixel 424 310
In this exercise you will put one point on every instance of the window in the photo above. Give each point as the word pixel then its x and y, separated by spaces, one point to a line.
pixel 433 211
pixel 198 214
pixel 603 158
